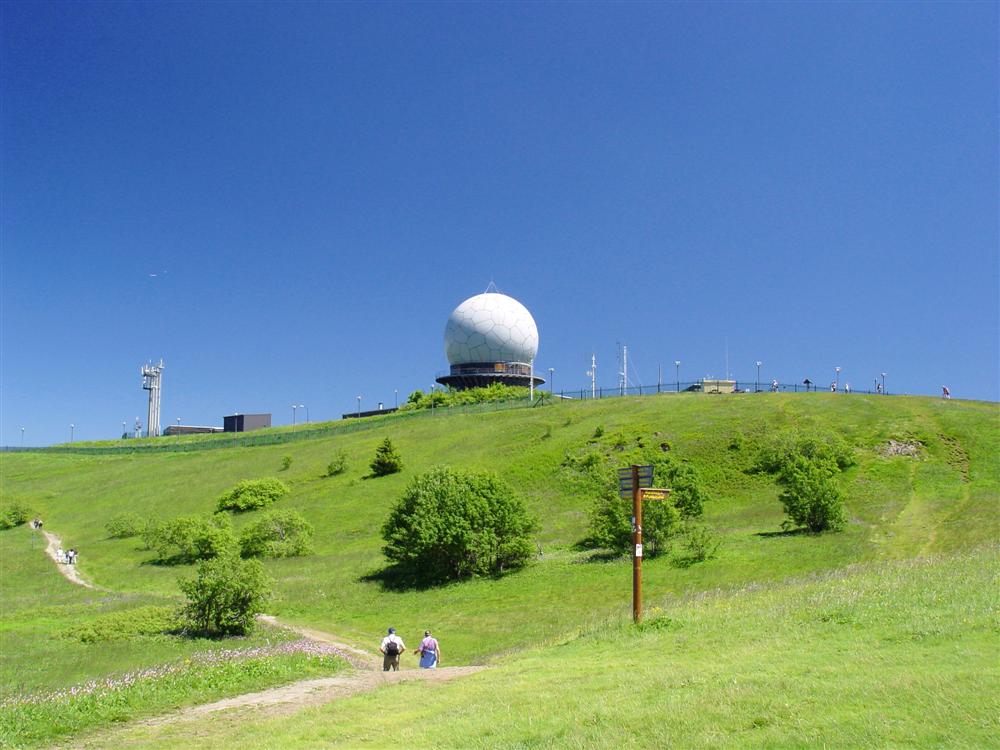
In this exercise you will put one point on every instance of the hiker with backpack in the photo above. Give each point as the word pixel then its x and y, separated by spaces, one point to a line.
pixel 391 648
pixel 429 651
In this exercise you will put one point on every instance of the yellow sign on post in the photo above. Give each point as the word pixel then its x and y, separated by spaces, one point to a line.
pixel 654 493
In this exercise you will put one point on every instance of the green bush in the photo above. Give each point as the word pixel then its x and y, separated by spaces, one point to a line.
pixel 386 461
pixel 776 454
pixel 225 595
pixel 452 524
pixel 188 538
pixel 14 514
pixel 125 625
pixel 698 543
pixel 124 525
pixel 252 494
pixel 610 515
pixel 338 465
pixel 286 462
pixel 277 533
pixel 810 495
pixel 611 523
pixel 487 394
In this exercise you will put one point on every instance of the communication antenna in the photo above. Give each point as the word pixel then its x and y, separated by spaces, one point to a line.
pixel 592 372
pixel 623 373
pixel 138 427
pixel 151 375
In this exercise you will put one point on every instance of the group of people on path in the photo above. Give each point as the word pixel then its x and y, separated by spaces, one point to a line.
pixel 66 558
pixel 392 648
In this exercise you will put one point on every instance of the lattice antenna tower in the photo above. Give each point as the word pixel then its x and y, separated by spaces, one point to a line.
pixel 151 375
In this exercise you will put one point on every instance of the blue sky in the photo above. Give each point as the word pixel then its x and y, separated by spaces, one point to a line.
pixel 317 186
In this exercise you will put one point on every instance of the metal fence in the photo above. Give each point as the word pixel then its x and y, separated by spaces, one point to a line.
pixel 698 386
pixel 186 443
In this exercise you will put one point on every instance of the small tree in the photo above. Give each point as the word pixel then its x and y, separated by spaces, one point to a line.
pixel 189 538
pixel 338 465
pixel 810 495
pixel 225 595
pixel 13 515
pixel 611 523
pixel 124 525
pixel 387 460
pixel 452 524
pixel 277 533
pixel 286 462
pixel 252 494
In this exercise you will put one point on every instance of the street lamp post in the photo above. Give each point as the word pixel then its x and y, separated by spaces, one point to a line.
pixel 836 378
pixel 22 436
pixel 124 429
pixel 359 406
pixel 758 363
pixel 552 379
pixel 71 428
pixel 294 407
pixel 677 373
pixel 883 383
pixel 303 406
pixel 395 397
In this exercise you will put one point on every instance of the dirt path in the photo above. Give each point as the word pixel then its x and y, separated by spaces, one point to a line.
pixel 70 572
pixel 288 699
pixel 357 657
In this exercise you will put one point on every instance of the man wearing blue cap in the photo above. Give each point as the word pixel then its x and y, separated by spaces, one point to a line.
pixel 391 648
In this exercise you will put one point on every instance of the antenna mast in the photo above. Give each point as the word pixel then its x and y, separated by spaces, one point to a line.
pixel 593 376
pixel 151 382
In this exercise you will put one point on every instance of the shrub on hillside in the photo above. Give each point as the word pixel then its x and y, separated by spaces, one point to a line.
pixel 610 515
pixel 810 495
pixel 698 543
pixel 451 524
pixel 252 494
pixel 125 625
pixel 14 514
pixel 286 462
pixel 188 538
pixel 124 525
pixel 277 533
pixel 611 523
pixel 776 454
pixel 387 460
pixel 225 595
pixel 338 465
pixel 486 394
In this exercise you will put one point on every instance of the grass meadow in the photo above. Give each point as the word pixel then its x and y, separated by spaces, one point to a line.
pixel 880 654
pixel 569 603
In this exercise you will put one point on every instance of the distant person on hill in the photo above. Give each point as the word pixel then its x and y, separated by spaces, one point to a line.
pixel 833 386
pixel 72 556
pixel 429 651
pixel 60 555
pixel 774 386
pixel 392 647
pixel 945 393
pixel 847 387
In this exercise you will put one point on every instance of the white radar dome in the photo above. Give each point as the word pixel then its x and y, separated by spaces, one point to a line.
pixel 490 327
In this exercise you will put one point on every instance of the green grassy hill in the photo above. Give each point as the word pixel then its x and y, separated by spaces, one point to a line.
pixel 941 502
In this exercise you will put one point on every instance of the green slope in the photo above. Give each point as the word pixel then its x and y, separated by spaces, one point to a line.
pixel 898 506
pixel 882 654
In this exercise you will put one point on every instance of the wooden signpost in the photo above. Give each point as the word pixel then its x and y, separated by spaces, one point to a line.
pixel 638 481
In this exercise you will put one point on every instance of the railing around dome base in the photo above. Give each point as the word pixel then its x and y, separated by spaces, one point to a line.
pixel 481 374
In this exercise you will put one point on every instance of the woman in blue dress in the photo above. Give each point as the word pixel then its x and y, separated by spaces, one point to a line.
pixel 430 651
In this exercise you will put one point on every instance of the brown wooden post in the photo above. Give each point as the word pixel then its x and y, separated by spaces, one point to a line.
pixel 636 542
